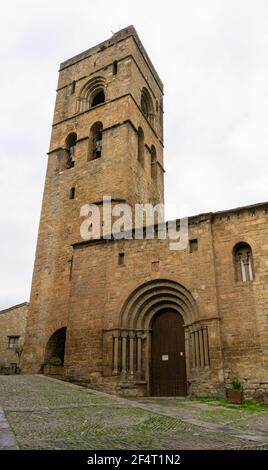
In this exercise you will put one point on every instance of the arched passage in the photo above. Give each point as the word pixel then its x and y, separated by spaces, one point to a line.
pixel 56 345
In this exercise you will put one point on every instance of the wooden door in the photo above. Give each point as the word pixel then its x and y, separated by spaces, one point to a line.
pixel 168 367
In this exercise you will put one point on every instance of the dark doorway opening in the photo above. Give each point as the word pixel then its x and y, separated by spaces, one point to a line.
pixel 56 345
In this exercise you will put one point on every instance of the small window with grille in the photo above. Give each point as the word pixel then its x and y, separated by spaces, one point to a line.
pixel 13 341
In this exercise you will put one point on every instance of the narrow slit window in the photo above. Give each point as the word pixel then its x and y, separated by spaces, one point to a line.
pixel 121 259
pixel 72 193
pixel 73 87
pixel 193 245
pixel 115 67
pixel 70 268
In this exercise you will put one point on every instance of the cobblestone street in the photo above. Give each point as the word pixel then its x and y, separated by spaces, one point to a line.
pixel 44 413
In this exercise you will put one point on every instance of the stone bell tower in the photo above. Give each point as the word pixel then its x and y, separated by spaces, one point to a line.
pixel 107 139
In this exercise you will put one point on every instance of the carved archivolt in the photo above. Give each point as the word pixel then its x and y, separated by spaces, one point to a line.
pixel 147 299
pixel 88 92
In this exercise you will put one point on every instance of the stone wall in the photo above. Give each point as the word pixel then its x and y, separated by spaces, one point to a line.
pixel 233 313
pixel 243 306
pixel 12 323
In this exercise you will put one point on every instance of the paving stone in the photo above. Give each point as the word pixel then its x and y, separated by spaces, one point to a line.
pixel 50 414
pixel 7 439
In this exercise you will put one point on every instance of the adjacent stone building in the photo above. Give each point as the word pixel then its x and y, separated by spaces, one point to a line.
pixel 12 333
pixel 132 316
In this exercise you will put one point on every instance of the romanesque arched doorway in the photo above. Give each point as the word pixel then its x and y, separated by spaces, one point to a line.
pixel 130 344
pixel 168 366
pixel 56 345
pixel 128 350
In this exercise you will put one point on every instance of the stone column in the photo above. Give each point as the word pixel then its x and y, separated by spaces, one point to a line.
pixel 197 356
pixel 187 351
pixel 124 352
pixel 131 353
pixel 139 355
pixel 206 351
pixel 193 355
pixel 115 352
pixel 201 347
pixel 147 358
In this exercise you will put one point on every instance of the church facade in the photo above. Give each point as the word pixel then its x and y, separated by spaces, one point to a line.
pixel 131 316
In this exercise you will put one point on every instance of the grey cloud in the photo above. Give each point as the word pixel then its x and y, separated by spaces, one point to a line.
pixel 212 58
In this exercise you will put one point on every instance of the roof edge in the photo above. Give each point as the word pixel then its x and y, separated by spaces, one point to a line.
pixel 13 307
pixel 198 217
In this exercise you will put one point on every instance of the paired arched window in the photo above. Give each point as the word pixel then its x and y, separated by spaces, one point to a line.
pixel 153 163
pixel 243 262
pixel 92 94
pixel 70 151
pixel 147 106
pixel 95 141
pixel 141 146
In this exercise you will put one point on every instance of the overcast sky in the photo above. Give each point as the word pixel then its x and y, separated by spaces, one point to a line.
pixel 212 56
